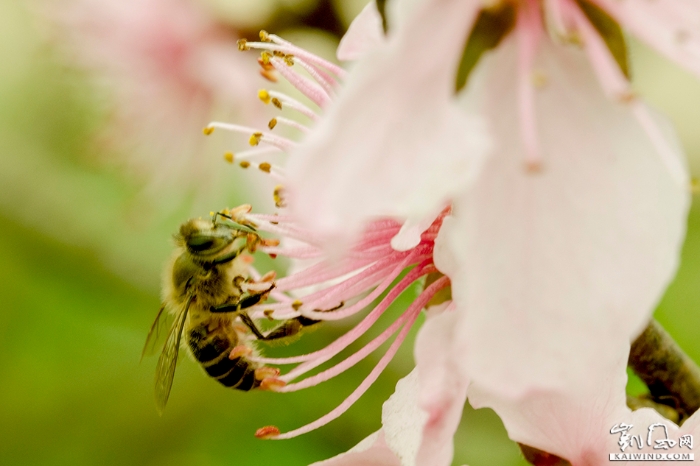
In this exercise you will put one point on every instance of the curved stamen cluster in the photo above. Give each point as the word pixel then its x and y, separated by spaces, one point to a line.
pixel 281 56
pixel 370 270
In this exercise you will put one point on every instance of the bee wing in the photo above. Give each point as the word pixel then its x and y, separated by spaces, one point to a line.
pixel 165 371
pixel 158 327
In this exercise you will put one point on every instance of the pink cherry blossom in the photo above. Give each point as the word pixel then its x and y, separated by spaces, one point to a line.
pixel 560 243
pixel 326 287
pixel 558 235
pixel 165 67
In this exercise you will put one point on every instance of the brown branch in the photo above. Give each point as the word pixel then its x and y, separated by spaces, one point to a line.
pixel 672 377
pixel 541 458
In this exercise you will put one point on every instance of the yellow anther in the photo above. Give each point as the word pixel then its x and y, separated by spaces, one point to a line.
pixel 211 213
pixel 277 103
pixel 533 167
pixel 265 57
pixel 208 130
pixel 265 66
pixel 262 373
pixel 265 167
pixel 237 212
pixel 240 351
pixel 269 75
pixel 539 79
pixel 264 96
pixel 264 36
pixel 289 59
pixel 627 96
pixel 267 242
pixel 272 384
pixel 255 139
pixel 244 164
pixel 278 196
pixel 267 432
pixel 268 313
pixel 575 38
pixel 297 304
pixel 228 156
pixel 272 123
pixel 242 45
pixel 277 53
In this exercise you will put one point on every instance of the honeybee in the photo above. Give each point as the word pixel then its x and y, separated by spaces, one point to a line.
pixel 207 290
pixel 203 288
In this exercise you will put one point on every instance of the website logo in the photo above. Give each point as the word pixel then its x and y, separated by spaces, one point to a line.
pixel 663 447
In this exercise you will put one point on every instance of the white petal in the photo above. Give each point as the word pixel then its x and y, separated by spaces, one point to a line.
pixel 546 266
pixel 403 420
pixel 372 451
pixel 410 233
pixel 400 11
pixel 394 143
pixel 397 443
pixel 365 32
pixel 443 387
pixel 574 423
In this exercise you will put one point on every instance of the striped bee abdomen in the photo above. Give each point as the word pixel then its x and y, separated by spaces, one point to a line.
pixel 211 349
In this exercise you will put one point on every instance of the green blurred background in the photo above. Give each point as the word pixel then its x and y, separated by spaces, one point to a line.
pixel 80 263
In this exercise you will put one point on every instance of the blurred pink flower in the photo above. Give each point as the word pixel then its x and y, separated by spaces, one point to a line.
pixel 166 67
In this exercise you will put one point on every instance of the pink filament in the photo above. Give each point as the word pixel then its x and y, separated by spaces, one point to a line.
pixel 343 342
pixel 611 78
pixel 307 87
pixel 343 290
pixel 343 313
pixel 272 139
pixel 288 47
pixel 413 312
pixel 529 29
pixel 320 77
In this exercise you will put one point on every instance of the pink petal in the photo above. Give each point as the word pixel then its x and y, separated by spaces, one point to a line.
pixel 546 266
pixel 396 444
pixel 670 26
pixel 443 388
pixel 403 420
pixel 365 33
pixel 372 451
pixel 574 423
pixel 393 143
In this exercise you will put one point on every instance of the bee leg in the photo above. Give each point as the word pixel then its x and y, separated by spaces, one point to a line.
pixel 237 225
pixel 244 303
pixel 293 326
pixel 289 328
pixel 245 318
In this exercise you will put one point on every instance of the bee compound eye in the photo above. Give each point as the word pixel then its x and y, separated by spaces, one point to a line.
pixel 201 243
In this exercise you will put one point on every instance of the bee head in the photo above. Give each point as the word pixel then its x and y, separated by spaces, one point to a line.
pixel 205 240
